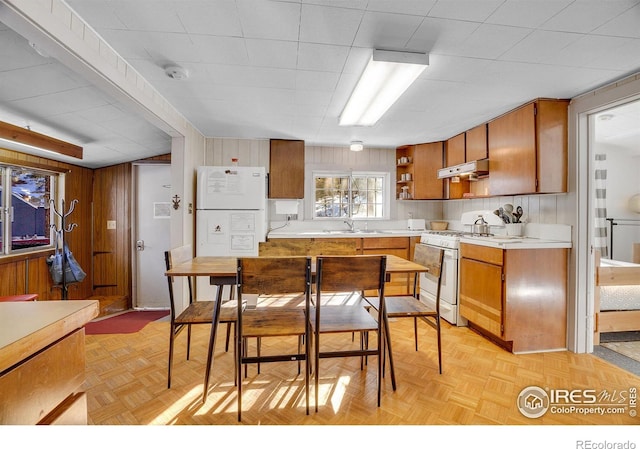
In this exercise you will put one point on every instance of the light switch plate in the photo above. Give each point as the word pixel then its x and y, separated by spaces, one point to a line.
pixel 111 224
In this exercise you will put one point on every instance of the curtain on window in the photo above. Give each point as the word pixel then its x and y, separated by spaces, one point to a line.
pixel 600 229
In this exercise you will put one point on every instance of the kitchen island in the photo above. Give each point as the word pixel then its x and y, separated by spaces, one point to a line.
pixel 396 242
pixel 42 361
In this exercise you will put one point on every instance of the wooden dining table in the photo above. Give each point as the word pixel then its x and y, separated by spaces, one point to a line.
pixel 222 271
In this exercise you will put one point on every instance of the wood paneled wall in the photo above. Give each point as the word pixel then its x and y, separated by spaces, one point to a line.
pixel 112 247
pixel 28 273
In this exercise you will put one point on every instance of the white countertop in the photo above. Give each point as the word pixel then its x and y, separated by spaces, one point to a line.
pixel 27 327
pixel 290 234
pixel 512 242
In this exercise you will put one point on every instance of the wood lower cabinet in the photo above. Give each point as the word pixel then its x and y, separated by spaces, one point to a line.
pixel 399 246
pixel 516 297
pixel 42 361
pixel 398 284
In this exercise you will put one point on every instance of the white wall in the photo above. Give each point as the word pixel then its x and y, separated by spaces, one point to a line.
pixel 255 152
pixel 622 182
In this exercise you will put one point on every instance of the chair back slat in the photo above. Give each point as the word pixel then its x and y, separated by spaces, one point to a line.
pixel 431 258
pixel 273 275
pixel 351 273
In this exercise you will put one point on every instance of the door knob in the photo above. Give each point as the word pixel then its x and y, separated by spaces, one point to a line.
pixel 139 245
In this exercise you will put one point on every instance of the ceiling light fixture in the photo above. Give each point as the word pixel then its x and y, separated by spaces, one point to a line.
pixel 176 72
pixel 356 145
pixel 387 76
pixel 23 138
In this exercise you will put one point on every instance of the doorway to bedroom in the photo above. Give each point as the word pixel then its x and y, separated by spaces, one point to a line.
pixel 615 200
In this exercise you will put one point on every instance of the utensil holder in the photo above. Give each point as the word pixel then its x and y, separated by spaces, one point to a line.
pixel 515 229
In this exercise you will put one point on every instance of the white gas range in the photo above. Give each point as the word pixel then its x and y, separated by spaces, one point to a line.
pixel 450 288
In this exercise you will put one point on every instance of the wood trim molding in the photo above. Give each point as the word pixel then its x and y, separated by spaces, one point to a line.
pixel 32 164
pixel 25 136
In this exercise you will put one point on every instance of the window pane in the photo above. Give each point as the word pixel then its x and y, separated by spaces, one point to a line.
pixel 331 198
pixel 360 196
pixel 30 193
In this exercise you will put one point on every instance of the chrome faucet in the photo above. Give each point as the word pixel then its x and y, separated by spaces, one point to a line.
pixel 350 223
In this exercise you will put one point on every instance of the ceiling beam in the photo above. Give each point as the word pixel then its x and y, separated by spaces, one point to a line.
pixel 24 136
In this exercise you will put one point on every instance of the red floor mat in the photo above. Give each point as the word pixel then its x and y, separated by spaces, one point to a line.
pixel 127 323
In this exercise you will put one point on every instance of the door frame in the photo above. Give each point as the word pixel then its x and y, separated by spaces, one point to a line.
pixel 581 110
pixel 134 226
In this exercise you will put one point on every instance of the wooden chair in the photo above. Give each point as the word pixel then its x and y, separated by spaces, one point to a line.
pixel 339 307
pixel 197 312
pixel 284 288
pixel 410 306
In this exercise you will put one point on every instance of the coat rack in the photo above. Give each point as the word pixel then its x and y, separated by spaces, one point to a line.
pixel 60 232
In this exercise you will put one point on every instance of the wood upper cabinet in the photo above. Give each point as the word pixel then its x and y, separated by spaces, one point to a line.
pixel 455 150
pixel 427 160
pixel 417 171
pixel 528 149
pixel 518 297
pixel 476 143
pixel 286 169
pixel 405 172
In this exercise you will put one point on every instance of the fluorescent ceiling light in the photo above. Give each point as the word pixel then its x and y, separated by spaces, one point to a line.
pixel 19 138
pixel 387 75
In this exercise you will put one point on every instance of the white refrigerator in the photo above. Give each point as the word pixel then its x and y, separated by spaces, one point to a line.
pixel 230 214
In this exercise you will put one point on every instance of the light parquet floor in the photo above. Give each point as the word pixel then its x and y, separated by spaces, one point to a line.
pixel 480 383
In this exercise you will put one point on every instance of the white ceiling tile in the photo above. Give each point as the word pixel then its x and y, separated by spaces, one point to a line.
pixel 272 53
pixel 223 50
pixel 269 20
pixel 442 35
pixel 626 24
pixel 328 25
pixel 413 7
pixel 387 31
pixel 321 57
pixel 323 81
pixel 490 41
pixel 598 52
pixel 264 69
pixel 540 46
pixel 471 10
pixel 526 13
pixel 587 15
pixel 148 15
pixel 214 17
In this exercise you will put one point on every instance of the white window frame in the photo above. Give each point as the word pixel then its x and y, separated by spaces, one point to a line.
pixel 386 192
pixel 7 209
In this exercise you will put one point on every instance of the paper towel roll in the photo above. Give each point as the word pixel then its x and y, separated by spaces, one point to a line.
pixel 287 207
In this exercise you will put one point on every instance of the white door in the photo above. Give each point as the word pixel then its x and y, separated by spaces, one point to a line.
pixel 151 235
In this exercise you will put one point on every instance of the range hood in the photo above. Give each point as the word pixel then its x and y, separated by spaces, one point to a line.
pixel 475 168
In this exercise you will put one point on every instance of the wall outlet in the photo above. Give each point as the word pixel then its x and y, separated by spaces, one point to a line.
pixel 111 224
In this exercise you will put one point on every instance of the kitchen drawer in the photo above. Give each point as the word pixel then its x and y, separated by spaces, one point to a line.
pixel 482 253
pixel 34 388
pixel 385 243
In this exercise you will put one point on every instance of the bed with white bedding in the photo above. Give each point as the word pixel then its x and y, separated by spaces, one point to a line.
pixel 617 297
